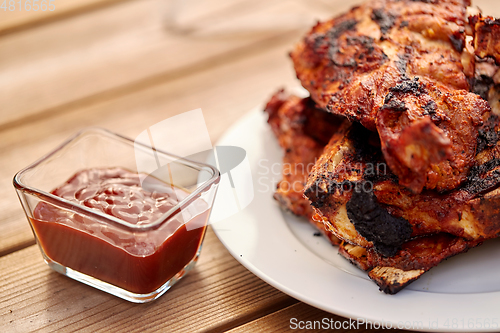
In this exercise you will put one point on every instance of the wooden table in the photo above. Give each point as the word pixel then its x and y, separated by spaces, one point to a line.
pixel 120 65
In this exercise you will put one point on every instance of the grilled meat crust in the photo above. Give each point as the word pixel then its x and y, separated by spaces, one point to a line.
pixel 363 62
pixel 429 133
pixel 350 177
pixel 360 154
pixel 302 131
pixel 486 33
pixel 483 55
pixel 351 152
pixel 367 49
pixel 291 116
pixel 420 253
pixel 416 257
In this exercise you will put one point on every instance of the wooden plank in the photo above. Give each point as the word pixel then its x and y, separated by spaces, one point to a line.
pixel 107 53
pixel 301 316
pixel 224 93
pixel 218 292
pixel 16 17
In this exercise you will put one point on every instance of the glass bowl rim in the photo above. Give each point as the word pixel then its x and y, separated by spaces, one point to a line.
pixel 101 216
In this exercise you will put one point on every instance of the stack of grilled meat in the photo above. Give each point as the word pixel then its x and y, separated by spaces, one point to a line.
pixel 395 156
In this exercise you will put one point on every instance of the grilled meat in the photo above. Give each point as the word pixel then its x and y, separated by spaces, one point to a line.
pixel 368 49
pixel 362 203
pixel 414 176
pixel 291 118
pixel 402 57
pixel 302 130
pixel 482 57
pixel 351 153
pixel 429 133
pixel 387 230
pixel 486 33
pixel 416 257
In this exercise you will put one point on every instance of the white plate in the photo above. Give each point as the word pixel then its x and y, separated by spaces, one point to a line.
pixel 460 295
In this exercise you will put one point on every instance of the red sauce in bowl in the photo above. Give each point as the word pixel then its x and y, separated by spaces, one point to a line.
pixel 137 261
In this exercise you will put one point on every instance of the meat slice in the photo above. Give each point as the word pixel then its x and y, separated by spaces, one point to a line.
pixel 429 133
pixel 351 155
pixel 302 130
pixel 350 62
pixel 416 257
pixel 363 204
pixel 482 58
pixel 355 64
pixel 486 36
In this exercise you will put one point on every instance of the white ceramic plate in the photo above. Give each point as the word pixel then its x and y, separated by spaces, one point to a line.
pixel 460 295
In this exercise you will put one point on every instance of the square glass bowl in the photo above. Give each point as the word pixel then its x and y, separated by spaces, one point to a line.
pixel 130 257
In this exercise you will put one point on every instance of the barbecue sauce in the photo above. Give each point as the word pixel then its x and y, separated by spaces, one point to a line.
pixel 137 261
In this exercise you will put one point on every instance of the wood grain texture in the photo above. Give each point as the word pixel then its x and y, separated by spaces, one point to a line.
pixel 219 292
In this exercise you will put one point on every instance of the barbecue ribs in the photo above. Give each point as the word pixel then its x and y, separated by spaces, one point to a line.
pixel 402 57
pixel 291 118
pixel 302 131
pixel 363 203
pixel 411 176
pixel 416 257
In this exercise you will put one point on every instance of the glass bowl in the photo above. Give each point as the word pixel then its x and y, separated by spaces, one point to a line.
pixel 112 245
